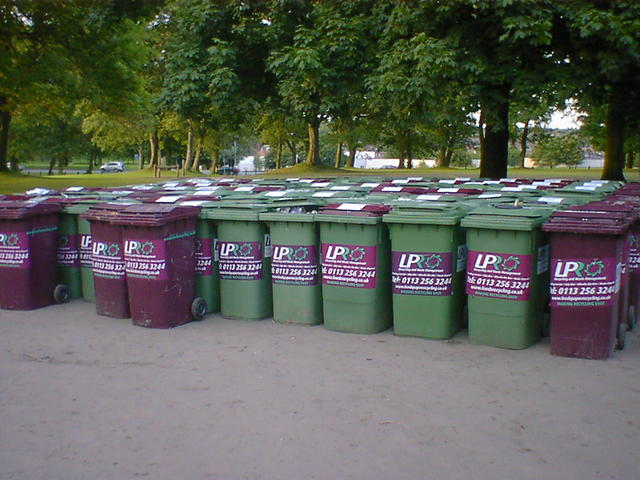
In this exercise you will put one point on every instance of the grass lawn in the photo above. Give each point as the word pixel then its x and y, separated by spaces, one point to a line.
pixel 17 183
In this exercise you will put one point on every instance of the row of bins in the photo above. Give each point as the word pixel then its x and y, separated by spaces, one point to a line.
pixel 357 267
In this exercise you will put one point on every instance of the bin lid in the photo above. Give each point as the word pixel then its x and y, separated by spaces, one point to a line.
pixel 150 215
pixel 225 210
pixel 611 224
pixel 426 213
pixel 505 216
pixel 15 210
pixel 307 217
pixel 362 213
pixel 103 212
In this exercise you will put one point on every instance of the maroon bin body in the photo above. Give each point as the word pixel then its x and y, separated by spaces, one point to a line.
pixel 159 248
pixel 107 256
pixel 28 254
pixel 587 254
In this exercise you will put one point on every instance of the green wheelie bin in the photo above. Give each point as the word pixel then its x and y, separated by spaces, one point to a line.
pixel 356 279
pixel 244 249
pixel 83 227
pixel 207 280
pixel 297 292
pixel 428 259
pixel 69 268
pixel 507 275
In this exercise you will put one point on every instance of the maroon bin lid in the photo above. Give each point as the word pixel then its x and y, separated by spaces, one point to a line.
pixel 358 209
pixel 588 222
pixel 154 215
pixel 104 212
pixel 14 210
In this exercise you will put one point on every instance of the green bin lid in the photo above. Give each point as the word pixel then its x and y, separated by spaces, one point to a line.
pixel 505 217
pixel 235 211
pixel 430 214
pixel 361 213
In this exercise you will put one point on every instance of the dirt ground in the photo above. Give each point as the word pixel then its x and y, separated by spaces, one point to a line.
pixel 89 397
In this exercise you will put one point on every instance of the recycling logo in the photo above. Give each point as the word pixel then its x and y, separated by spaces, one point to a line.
pixel 433 261
pixel 594 268
pixel 357 254
pixel 12 239
pixel 511 263
pixel 113 250
pixel 301 253
pixel 245 249
pixel 147 248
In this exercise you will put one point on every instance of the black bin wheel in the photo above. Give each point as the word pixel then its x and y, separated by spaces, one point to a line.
pixel 622 336
pixel 198 308
pixel 61 293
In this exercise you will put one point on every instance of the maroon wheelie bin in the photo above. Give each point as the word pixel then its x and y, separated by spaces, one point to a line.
pixel 159 246
pixel 28 255
pixel 587 249
pixel 112 297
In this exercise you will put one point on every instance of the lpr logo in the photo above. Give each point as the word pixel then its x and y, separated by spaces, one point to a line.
pixel 575 268
pixel 487 261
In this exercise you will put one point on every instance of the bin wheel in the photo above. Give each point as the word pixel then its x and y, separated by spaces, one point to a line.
pixel 61 293
pixel 546 324
pixel 632 321
pixel 622 336
pixel 198 308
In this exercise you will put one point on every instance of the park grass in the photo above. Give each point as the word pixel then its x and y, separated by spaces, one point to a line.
pixel 18 183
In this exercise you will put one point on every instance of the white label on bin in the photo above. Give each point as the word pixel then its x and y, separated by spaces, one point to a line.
pixel 143 187
pixel 448 190
pixel 293 179
pixel 450 182
pixel 415 179
pixel 268 249
pixel 324 194
pixel 463 179
pixel 400 180
pixel 205 190
pixel 168 199
pixel 429 196
pixel 511 189
pixel 552 200
pixel 391 189
pixel 244 189
pixel 178 188
pixel 351 206
pixel 543 259
pixel 489 195
pixel 370 185
pixel 278 193
pixel 306 180
pixel 320 184
pixel 74 189
pixel 590 188
pixel 340 187
pixel 194 203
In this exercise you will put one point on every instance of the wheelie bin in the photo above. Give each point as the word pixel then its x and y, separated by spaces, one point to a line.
pixel 28 255
pixel 428 259
pixel 585 282
pixel 69 253
pixel 83 228
pixel 159 244
pixel 355 259
pixel 297 292
pixel 507 275
pixel 107 260
pixel 244 252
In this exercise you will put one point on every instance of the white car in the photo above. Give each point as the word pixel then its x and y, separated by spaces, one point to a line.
pixel 112 167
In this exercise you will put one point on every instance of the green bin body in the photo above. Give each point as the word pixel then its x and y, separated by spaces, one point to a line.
pixel 207 281
pixel 356 288
pixel 244 248
pixel 507 275
pixel 68 254
pixel 428 259
pixel 297 292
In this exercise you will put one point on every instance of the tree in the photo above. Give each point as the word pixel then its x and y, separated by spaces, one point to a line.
pixel 62 50
pixel 602 47
pixel 554 150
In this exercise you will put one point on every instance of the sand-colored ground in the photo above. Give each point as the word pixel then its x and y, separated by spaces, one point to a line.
pixel 88 397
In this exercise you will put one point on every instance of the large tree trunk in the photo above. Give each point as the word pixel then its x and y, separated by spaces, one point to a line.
pixel 615 123
pixel 523 143
pixel 495 152
pixel 338 155
pixel 409 152
pixel 215 160
pixel 140 158
pixel 294 151
pixel 351 159
pixel 401 157
pixel 279 156
pixel 52 165
pixel 188 160
pixel 313 154
pixel 5 123
pixel 197 155
pixel 154 148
